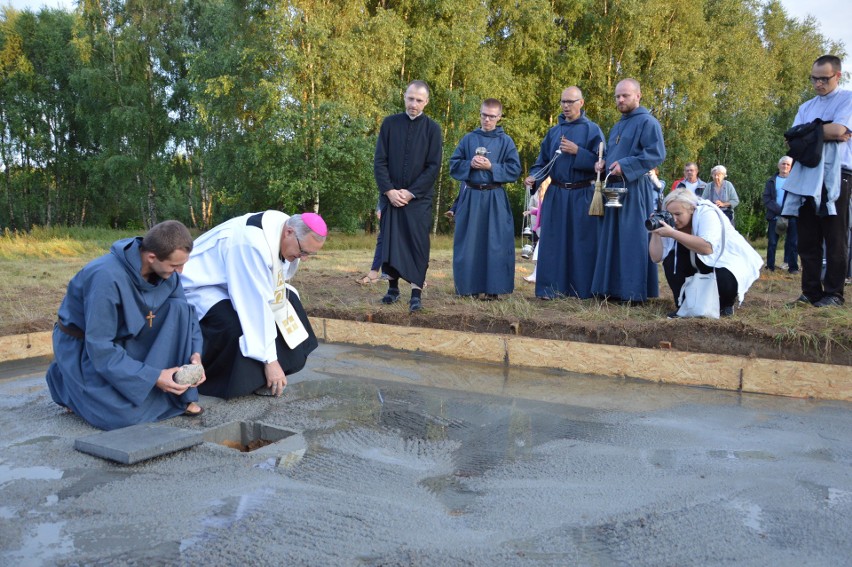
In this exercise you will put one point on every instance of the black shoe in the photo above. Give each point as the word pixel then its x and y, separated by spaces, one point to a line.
pixel 490 297
pixel 673 315
pixel 770 268
pixel 390 298
pixel 414 304
pixel 829 301
pixel 794 271
pixel 801 300
pixel 726 311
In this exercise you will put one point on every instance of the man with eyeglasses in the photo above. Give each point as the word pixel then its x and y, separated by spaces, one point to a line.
pixel 823 208
pixel 484 237
pixel 568 240
pixel 623 270
pixel 255 330
pixel 406 164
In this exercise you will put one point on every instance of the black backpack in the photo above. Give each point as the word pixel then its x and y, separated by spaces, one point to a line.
pixel 805 142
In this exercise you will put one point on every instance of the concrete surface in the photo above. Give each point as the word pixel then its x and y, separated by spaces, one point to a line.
pixel 415 460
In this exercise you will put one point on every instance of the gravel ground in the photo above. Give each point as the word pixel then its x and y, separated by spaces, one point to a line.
pixel 413 460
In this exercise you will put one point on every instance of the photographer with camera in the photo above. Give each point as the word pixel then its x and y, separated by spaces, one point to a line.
pixel 687 237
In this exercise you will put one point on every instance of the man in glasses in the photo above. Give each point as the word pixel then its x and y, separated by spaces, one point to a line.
pixel 484 237
pixel 823 205
pixel 406 165
pixel 569 235
pixel 255 329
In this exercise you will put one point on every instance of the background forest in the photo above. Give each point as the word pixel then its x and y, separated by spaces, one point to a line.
pixel 125 113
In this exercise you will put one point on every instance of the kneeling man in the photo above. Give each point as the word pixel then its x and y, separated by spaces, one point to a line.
pixel 255 329
pixel 124 328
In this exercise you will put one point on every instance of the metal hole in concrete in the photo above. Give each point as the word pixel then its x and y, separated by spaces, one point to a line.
pixel 246 436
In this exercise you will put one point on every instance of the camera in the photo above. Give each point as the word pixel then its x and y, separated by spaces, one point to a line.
pixel 653 223
pixel 526 251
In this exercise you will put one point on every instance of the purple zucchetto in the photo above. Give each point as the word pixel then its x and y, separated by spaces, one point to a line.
pixel 315 223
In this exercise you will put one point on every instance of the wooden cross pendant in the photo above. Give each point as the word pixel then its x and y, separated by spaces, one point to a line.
pixel 150 318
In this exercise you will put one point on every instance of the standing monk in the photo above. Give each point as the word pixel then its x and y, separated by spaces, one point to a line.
pixel 569 235
pixel 484 238
pixel 407 162
pixel 124 327
pixel 623 270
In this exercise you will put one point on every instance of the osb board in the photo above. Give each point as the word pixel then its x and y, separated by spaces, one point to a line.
pixel 692 369
pixel 754 375
pixel 32 345
pixel 798 379
pixel 777 377
pixel 453 344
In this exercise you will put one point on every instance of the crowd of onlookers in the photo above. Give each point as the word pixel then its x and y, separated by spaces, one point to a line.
pixel 582 248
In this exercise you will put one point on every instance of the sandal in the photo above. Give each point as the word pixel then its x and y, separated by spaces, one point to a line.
pixel 190 413
pixel 367 280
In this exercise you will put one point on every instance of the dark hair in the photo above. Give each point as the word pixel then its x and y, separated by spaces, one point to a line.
pixel 420 85
pixel 832 60
pixel 165 238
pixel 493 102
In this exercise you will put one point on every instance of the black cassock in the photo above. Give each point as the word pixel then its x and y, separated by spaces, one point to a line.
pixel 408 156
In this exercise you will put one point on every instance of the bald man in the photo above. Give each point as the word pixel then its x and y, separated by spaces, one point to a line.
pixel 569 235
pixel 623 270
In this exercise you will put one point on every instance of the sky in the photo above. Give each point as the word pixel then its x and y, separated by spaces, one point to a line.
pixel 834 16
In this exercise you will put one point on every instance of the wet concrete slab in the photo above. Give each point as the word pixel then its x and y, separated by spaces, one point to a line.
pixel 415 460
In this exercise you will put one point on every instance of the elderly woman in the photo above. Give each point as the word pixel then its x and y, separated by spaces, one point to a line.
pixel 721 192
pixel 698 230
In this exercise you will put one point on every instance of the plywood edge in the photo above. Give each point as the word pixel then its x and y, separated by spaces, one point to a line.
pixel 453 344
pixel 30 345
pixel 753 375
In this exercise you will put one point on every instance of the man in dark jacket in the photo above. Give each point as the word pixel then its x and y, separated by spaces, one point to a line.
pixel 773 200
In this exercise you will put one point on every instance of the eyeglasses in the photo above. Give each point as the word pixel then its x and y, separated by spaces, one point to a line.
pixel 302 253
pixel 567 101
pixel 823 80
pixel 489 116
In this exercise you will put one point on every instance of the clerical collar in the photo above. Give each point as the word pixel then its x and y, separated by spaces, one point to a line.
pixel 413 117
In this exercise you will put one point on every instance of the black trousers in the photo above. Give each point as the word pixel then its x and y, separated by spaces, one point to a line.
pixel 817 228
pixel 725 280
pixel 229 373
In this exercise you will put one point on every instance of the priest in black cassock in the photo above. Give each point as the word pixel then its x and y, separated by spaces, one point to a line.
pixel 406 164
pixel 623 269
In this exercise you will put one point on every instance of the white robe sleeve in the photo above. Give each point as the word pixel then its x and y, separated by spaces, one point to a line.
pixel 250 288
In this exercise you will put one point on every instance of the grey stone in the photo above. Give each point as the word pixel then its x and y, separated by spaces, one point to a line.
pixel 136 443
pixel 189 374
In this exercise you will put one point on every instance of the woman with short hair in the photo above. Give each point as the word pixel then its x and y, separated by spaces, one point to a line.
pixel 721 192
pixel 698 229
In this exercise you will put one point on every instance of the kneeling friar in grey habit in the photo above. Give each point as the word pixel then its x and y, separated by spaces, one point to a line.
pixel 255 329
pixel 124 327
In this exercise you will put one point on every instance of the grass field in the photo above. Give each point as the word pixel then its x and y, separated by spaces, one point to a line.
pixel 37 267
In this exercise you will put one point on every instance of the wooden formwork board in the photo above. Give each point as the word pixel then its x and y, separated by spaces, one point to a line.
pixel 754 375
